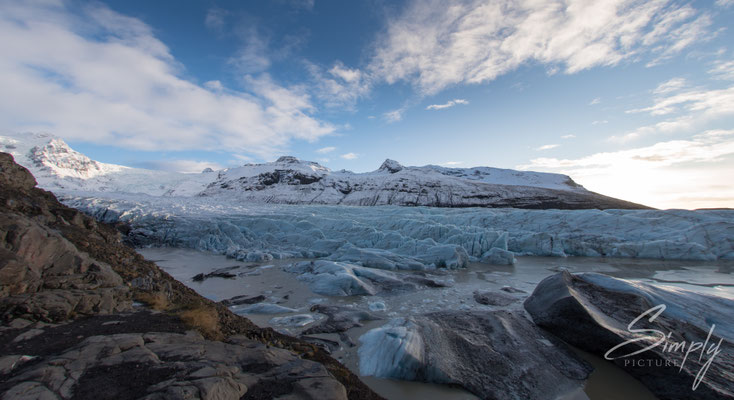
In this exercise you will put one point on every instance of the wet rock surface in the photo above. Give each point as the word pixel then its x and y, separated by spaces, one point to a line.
pixel 495 355
pixel 338 319
pixel 500 299
pixel 69 327
pixel 594 312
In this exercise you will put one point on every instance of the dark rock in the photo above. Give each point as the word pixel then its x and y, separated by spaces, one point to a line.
pixel 594 312
pixel 169 365
pixel 338 319
pixel 217 273
pixel 510 289
pixel 240 300
pixel 495 355
pixel 494 299
pixel 14 175
pixel 44 276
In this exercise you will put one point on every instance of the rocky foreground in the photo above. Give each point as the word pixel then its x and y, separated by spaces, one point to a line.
pixel 85 317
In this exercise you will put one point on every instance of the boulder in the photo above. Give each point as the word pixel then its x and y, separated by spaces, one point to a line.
pixel 495 355
pixel 683 339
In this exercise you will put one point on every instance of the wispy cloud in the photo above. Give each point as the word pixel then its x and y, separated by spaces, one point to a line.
pixel 569 136
pixel 435 47
pixel 672 165
pixel 723 69
pixel 325 150
pixel 339 86
pixel 449 104
pixel 595 101
pixel 672 85
pixel 685 110
pixel 547 147
pixel 452 163
pixel 349 156
pixel 599 122
pixel 215 19
pixel 103 77
pixel 394 115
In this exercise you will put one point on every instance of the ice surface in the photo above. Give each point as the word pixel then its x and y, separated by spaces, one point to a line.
pixel 264 308
pixel 394 350
pixel 342 279
pixel 412 238
pixel 297 320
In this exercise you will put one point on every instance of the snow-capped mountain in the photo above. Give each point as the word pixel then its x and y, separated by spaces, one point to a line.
pixel 59 168
pixel 292 181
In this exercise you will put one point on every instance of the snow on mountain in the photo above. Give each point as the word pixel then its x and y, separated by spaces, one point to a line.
pixel 289 180
pixel 292 181
pixel 59 168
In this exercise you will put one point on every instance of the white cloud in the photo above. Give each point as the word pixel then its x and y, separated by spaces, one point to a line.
pixel 214 85
pixel 724 3
pixel 677 173
pixel 253 56
pixel 672 85
pixel 723 69
pixel 569 136
pixel 686 109
pixel 547 147
pixel 434 45
pixel 595 101
pixel 325 150
pixel 215 19
pixel 349 156
pixel 452 163
pixel 185 166
pixel 104 77
pixel 394 115
pixel 450 104
pixel 599 122
pixel 340 86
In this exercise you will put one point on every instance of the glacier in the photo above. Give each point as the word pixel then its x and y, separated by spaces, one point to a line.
pixel 411 238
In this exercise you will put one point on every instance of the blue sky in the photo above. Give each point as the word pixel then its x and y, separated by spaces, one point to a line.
pixel 633 99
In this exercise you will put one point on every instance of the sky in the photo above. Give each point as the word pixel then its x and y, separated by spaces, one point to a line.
pixel 632 99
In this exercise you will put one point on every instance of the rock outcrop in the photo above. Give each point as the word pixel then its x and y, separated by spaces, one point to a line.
pixel 84 316
pixel 495 355
pixel 683 340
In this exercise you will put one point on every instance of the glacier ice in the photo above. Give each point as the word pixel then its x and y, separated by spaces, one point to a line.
pixel 394 350
pixel 412 238
pixel 297 320
pixel 264 308
pixel 331 278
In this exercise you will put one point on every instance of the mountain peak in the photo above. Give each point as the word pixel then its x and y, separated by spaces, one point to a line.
pixel 391 166
pixel 288 159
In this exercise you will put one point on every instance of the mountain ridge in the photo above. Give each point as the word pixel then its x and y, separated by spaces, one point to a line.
pixel 289 180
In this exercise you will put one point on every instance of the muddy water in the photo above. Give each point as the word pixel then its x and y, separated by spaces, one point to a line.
pixel 279 287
